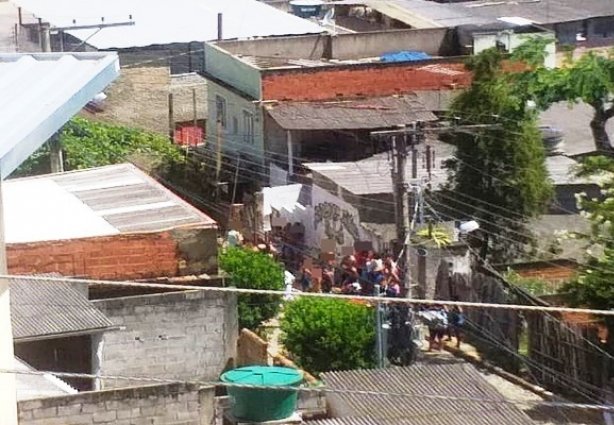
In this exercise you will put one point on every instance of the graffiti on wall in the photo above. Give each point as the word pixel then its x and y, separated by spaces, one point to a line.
pixel 335 220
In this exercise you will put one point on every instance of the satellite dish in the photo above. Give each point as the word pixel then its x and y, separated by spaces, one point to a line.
pixel 468 227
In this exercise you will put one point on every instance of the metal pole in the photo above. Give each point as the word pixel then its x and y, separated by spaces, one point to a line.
pixel 290 144
pixel 379 340
pixel 220 32
pixel 8 390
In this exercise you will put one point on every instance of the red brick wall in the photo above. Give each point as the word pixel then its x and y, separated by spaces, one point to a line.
pixel 550 272
pixel 111 257
pixel 347 82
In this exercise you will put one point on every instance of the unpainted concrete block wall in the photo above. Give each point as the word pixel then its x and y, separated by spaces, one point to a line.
pixel 327 83
pixel 177 335
pixel 178 252
pixel 139 99
pixel 177 404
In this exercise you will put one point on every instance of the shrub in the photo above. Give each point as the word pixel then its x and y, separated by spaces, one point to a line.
pixel 325 334
pixel 89 144
pixel 254 270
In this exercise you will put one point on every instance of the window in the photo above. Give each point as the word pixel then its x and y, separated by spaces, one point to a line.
pixel 248 127
pixel 235 125
pixel 220 110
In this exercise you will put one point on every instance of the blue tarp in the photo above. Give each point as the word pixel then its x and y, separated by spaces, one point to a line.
pixel 404 56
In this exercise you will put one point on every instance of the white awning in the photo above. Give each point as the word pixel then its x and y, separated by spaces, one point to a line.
pixel 40 92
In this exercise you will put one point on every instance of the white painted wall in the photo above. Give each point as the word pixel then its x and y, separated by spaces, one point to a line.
pixel 325 210
pixel 232 136
pixel 485 41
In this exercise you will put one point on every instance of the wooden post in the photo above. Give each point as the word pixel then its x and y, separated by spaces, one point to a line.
pixel 56 156
pixel 171 119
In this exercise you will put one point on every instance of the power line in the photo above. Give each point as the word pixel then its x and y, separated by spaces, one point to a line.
pixel 316 389
pixel 387 300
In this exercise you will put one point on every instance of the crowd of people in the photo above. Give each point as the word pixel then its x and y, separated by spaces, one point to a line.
pixel 364 273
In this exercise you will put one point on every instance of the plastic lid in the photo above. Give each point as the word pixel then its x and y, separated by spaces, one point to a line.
pixel 263 375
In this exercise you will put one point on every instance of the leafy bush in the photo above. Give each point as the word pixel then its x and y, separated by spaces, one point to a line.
pixel 88 144
pixel 326 334
pixel 254 270
pixel 533 285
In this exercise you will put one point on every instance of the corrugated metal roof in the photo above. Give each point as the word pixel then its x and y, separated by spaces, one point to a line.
pixel 47 309
pixel 40 92
pixel 165 22
pixel 447 380
pixel 429 14
pixel 31 387
pixel 372 175
pixel 379 112
pixel 96 202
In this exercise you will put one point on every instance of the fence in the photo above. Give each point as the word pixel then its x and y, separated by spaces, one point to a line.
pixel 566 357
pixel 562 355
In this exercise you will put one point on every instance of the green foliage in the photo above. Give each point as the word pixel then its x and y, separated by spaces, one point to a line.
pixel 532 285
pixel 593 287
pixel 589 79
pixel 88 144
pixel 326 334
pixel 437 235
pixel 254 270
pixel 503 165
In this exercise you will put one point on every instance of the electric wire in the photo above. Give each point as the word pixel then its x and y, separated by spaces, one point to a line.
pixel 386 300
pixel 314 389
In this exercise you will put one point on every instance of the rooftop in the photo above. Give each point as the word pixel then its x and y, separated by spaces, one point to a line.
pixel 104 201
pixel 378 112
pixel 458 392
pixel 31 387
pixel 428 14
pixel 44 309
pixel 166 22
pixel 41 92
pixel 372 175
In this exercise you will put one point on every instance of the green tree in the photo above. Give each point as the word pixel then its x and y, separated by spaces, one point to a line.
pixel 502 165
pixel 88 144
pixel 254 270
pixel 326 334
pixel 589 79
pixel 593 287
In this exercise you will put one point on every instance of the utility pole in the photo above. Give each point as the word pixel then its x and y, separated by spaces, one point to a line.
pixel 404 139
pixel 401 201
pixel 56 155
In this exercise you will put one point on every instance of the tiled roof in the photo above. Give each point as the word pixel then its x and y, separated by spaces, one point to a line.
pixel 466 388
pixel 371 113
pixel 46 309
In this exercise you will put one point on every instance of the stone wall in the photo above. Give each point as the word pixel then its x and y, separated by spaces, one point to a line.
pixel 177 404
pixel 176 335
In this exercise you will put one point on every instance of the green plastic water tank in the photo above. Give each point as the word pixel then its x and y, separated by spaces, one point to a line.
pixel 262 405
